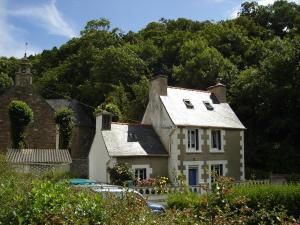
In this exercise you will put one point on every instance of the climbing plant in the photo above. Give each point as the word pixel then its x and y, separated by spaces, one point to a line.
pixel 20 115
pixel 65 119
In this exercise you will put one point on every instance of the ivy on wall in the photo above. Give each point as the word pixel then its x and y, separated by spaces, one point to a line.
pixel 20 115
pixel 65 119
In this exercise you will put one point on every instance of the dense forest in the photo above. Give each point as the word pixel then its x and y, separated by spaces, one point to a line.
pixel 257 55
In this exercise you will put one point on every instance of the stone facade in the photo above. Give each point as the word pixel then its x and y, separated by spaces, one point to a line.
pixel 232 154
pixel 157 165
pixel 162 115
pixel 41 132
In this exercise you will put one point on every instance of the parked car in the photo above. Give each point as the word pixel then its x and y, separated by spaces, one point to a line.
pixel 80 181
pixel 121 192
pixel 106 189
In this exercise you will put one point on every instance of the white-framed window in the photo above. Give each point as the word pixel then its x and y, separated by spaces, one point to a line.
pixel 216 140
pixel 193 140
pixel 217 168
pixel 140 174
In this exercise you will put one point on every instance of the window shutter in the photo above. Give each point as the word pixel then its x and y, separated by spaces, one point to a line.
pixel 197 139
pixel 219 140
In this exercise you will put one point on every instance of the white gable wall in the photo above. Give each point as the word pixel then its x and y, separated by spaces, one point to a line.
pixel 98 159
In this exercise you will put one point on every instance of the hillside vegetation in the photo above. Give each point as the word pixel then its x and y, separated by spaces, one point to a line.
pixel 256 55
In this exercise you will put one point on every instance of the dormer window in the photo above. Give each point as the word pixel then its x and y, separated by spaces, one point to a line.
pixel 208 105
pixel 188 104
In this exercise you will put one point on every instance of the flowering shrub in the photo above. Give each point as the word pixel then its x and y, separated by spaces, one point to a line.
pixel 120 173
pixel 150 182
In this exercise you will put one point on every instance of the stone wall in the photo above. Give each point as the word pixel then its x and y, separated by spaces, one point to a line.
pixel 80 168
pixel 82 140
pixel 41 133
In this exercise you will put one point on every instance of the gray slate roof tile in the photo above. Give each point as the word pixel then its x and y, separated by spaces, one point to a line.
pixel 133 140
pixel 31 156
pixel 221 116
pixel 80 110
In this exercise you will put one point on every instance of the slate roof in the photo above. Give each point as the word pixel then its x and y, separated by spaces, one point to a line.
pixel 80 111
pixel 222 116
pixel 132 140
pixel 35 156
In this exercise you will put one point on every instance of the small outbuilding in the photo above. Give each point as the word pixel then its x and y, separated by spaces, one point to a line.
pixel 38 161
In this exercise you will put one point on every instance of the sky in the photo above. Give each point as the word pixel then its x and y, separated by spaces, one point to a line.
pixel 44 24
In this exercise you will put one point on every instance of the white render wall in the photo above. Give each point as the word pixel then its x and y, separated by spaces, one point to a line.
pixel 98 159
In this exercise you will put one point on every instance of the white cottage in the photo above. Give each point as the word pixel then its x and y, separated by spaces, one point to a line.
pixel 197 130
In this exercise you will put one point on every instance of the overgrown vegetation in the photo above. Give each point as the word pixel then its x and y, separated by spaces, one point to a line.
pixel 30 200
pixel 65 119
pixel 20 115
pixel 240 205
pixel 270 196
pixel 256 55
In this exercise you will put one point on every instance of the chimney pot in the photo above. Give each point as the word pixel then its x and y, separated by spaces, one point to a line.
pixel 219 90
pixel 103 121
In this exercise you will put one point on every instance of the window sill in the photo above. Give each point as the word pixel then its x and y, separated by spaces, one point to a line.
pixel 193 151
pixel 216 151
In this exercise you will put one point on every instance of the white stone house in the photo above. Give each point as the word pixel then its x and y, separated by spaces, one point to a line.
pixel 198 131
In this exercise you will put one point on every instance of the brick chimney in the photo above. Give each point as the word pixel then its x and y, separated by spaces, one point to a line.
pixel 103 121
pixel 219 90
pixel 158 86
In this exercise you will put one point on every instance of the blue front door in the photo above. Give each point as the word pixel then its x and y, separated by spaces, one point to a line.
pixel 193 176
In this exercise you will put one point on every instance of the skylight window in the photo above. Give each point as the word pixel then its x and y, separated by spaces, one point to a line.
pixel 208 105
pixel 188 104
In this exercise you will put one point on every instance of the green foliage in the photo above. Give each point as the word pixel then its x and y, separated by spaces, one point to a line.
pixel 256 55
pixel 254 174
pixel 271 196
pixel 58 203
pixel 5 82
pixel 13 189
pixel 120 173
pixel 43 201
pixel 112 108
pixel 20 115
pixel 241 205
pixel 183 200
pixel 65 119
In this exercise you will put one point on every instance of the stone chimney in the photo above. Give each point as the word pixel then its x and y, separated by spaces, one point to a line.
pixel 103 121
pixel 158 86
pixel 219 90
pixel 23 76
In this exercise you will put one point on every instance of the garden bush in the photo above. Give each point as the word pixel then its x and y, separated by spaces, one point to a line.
pixel 20 115
pixel 183 200
pixel 270 196
pixel 224 205
pixel 120 173
pixel 58 203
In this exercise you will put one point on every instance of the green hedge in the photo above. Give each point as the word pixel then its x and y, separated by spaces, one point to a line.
pixel 269 196
pixel 183 200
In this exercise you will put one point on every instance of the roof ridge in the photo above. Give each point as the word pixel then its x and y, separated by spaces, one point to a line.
pixel 187 89
pixel 135 124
